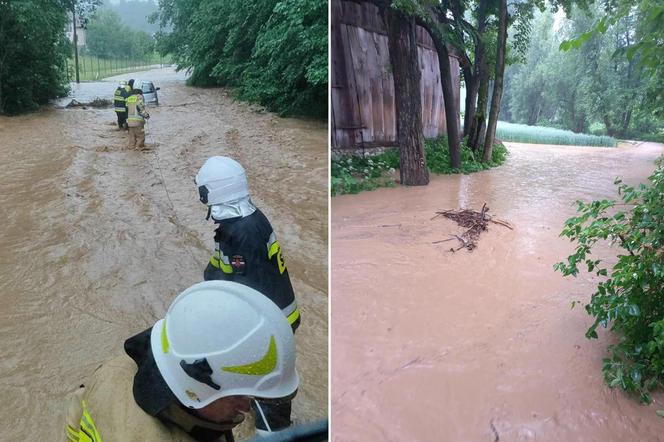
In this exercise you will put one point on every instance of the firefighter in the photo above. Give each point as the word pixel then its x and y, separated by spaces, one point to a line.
pixel 119 103
pixel 191 376
pixel 136 115
pixel 246 251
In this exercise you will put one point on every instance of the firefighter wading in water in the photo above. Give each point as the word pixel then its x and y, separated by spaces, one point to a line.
pixel 119 102
pixel 247 251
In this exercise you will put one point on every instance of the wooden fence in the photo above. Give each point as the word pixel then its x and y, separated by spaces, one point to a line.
pixel 363 112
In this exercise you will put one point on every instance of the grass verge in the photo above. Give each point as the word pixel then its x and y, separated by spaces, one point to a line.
pixel 522 133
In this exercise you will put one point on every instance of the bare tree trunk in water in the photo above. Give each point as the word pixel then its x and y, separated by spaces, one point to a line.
pixel 402 41
pixel 498 83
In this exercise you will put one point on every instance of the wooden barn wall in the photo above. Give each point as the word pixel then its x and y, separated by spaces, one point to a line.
pixel 363 112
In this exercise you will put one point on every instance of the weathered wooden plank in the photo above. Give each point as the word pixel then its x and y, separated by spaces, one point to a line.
pixel 361 72
pixel 351 121
pixel 376 80
pixel 389 114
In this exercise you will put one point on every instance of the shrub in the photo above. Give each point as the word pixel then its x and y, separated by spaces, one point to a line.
pixel 631 299
pixel 355 174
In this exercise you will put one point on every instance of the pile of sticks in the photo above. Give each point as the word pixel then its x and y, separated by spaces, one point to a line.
pixel 475 222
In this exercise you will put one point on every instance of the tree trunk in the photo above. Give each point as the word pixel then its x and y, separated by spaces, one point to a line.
pixel 73 23
pixel 498 83
pixel 472 87
pixel 402 41
pixel 477 122
pixel 451 108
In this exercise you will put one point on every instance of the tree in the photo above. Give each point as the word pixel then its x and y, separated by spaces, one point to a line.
pixel 402 41
pixel 273 52
pixel 33 52
pixel 109 37
pixel 592 88
pixel 498 81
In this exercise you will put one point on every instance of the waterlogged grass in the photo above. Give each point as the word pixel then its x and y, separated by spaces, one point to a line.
pixel 521 133
pixel 356 173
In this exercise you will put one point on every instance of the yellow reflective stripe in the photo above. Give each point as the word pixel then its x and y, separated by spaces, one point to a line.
pixel 164 338
pixel 88 430
pixel 293 317
pixel 220 264
pixel 272 249
pixel 71 433
pixel 260 367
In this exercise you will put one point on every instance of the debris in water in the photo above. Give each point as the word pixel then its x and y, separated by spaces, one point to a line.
pixel 97 102
pixel 476 222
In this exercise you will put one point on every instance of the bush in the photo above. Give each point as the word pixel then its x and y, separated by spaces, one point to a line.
pixel 631 299
pixel 355 174
pixel 273 52
pixel 32 54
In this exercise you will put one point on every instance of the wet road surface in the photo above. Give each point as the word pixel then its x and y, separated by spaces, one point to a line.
pixel 430 345
pixel 98 239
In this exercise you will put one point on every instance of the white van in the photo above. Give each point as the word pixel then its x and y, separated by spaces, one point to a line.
pixel 149 91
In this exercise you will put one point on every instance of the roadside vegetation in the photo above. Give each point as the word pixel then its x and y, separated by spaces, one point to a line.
pixel 522 133
pixel 605 83
pixel 33 50
pixel 271 52
pixel 354 174
pixel 629 299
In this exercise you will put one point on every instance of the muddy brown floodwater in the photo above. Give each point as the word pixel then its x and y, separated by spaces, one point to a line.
pixel 430 345
pixel 97 240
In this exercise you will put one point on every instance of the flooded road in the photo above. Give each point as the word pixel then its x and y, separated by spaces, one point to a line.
pixel 430 345
pixel 98 240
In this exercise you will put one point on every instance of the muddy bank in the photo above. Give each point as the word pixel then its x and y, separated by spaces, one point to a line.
pixel 433 345
pixel 99 240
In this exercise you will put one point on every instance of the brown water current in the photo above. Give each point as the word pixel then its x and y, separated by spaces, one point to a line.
pixel 430 345
pixel 97 240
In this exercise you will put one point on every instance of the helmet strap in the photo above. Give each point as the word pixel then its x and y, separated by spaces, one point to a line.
pixel 209 212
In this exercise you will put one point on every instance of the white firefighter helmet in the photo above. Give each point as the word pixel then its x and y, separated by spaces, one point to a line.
pixel 123 82
pixel 221 180
pixel 221 338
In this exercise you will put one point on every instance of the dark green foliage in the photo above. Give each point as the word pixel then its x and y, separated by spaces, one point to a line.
pixel 438 157
pixel 33 50
pixel 274 52
pixel 292 82
pixel 356 173
pixel 108 37
pixel 604 82
pixel 630 297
